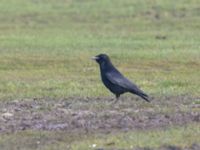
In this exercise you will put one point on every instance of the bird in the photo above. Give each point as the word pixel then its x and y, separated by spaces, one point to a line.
pixel 115 81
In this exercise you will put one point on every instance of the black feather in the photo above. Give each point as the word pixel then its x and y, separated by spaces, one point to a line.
pixel 114 80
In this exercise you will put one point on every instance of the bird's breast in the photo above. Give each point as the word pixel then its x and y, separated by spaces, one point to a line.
pixel 112 87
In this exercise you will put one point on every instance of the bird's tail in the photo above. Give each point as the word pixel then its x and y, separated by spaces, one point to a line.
pixel 142 95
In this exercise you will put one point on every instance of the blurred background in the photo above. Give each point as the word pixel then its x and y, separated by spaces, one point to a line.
pixel 46 46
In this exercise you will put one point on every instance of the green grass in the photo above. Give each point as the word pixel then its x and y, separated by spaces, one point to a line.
pixel 178 136
pixel 46 46
pixel 28 140
pixel 45 50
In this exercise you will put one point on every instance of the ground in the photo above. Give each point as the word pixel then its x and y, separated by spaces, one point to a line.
pixel 97 114
pixel 51 95
pixel 82 117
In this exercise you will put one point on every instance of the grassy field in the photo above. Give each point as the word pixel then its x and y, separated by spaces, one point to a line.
pixel 46 46
pixel 32 140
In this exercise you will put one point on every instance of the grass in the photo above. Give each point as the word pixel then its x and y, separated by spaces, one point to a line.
pixel 178 136
pixel 45 48
pixel 28 140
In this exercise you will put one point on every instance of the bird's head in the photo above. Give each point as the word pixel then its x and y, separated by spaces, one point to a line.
pixel 101 58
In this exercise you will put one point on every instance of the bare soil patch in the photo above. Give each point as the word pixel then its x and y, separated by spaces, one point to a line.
pixel 92 114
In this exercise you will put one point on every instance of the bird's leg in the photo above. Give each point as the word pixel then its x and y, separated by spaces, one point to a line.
pixel 117 98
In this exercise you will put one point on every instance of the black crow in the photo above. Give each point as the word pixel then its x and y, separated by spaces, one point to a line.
pixel 114 80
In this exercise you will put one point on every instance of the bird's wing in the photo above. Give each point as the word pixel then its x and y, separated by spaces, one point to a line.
pixel 118 79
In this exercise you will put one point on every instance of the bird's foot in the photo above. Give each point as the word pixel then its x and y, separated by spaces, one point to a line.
pixel 111 100
pixel 115 101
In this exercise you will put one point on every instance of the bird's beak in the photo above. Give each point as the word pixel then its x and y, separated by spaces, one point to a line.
pixel 94 58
